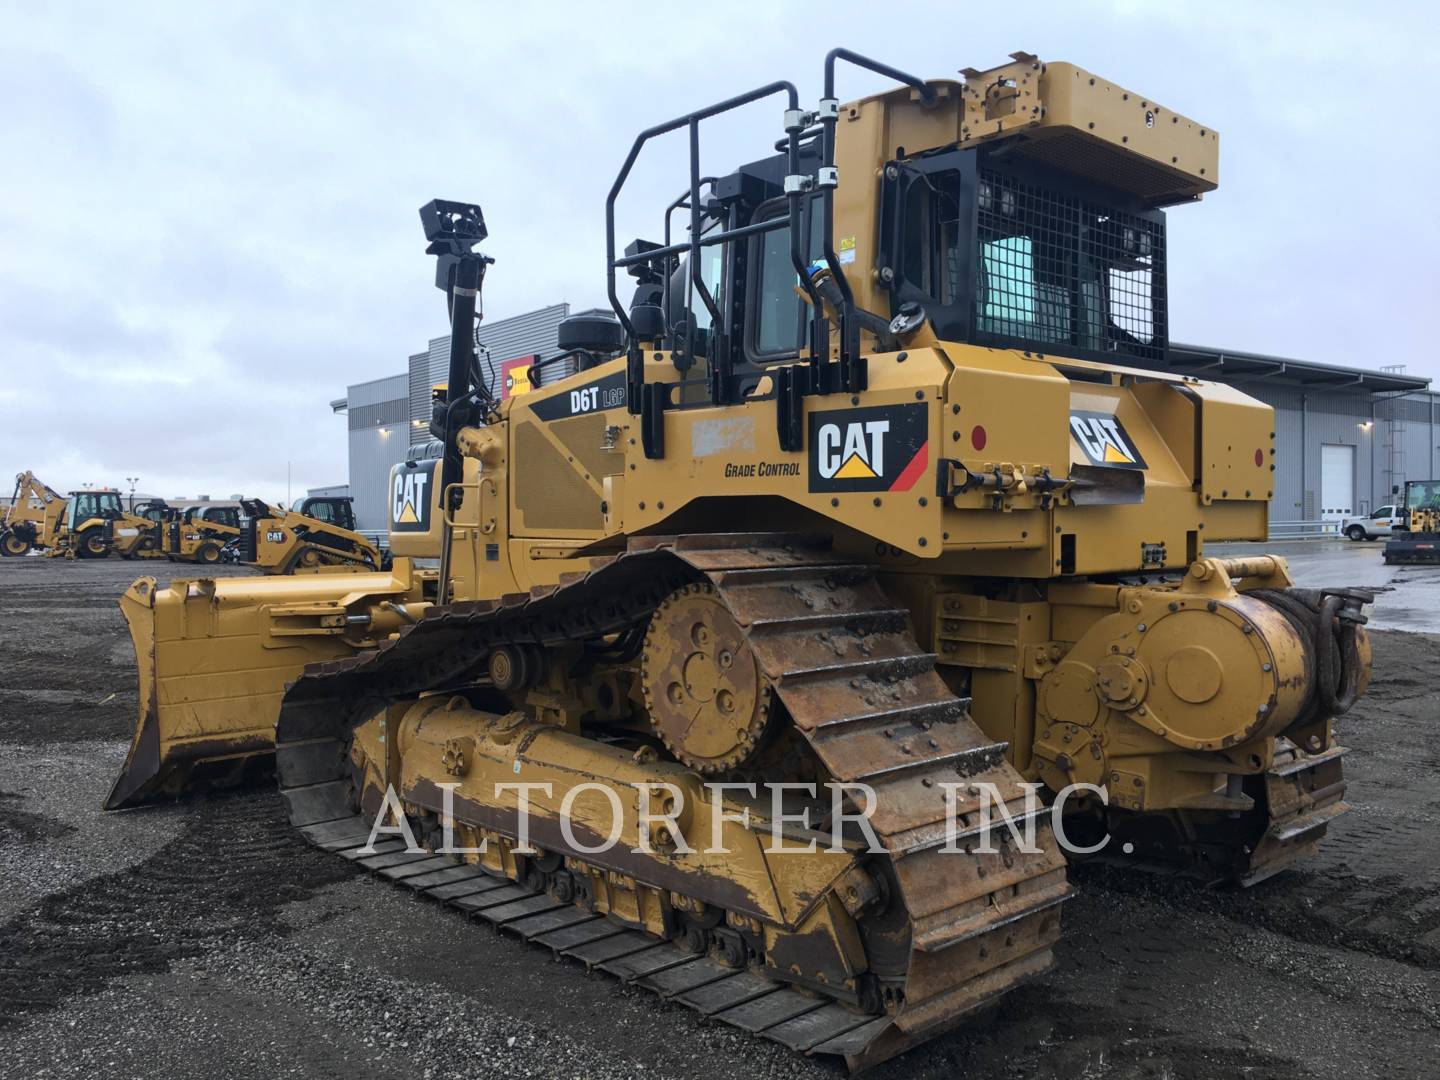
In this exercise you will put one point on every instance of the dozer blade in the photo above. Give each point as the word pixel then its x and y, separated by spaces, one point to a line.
pixel 213 660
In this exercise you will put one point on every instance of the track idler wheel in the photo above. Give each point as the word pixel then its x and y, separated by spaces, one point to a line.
pixel 516 667
pixel 707 698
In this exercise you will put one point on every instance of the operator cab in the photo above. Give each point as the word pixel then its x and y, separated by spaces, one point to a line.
pixel 1422 495
pixel 84 505
pixel 220 515
pixel 155 510
pixel 1022 209
pixel 993 250
pixel 334 510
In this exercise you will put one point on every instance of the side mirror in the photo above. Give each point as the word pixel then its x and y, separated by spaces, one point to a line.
pixel 647 313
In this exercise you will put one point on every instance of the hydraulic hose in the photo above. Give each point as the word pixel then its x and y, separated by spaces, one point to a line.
pixel 1329 622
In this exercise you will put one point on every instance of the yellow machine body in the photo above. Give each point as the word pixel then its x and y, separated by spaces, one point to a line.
pixel 215 655
pixel 143 534
pixel 280 541
pixel 94 524
pixel 200 534
pixel 32 520
pixel 971 566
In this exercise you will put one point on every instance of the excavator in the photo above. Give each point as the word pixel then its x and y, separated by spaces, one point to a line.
pixel 875 512
pixel 32 520
pixel 318 536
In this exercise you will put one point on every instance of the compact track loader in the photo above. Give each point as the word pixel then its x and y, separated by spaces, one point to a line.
pixel 32 520
pixel 319 535
pixel 877 505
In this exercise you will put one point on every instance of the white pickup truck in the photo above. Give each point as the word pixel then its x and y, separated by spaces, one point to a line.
pixel 1380 523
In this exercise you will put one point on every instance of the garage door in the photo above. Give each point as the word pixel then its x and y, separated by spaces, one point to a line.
pixel 1337 482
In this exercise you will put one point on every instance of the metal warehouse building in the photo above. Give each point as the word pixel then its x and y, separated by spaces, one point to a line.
pixel 1345 436
pixel 385 416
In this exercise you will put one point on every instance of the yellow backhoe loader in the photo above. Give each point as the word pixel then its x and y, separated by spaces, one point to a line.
pixel 879 505
pixel 95 523
pixel 200 533
pixel 32 520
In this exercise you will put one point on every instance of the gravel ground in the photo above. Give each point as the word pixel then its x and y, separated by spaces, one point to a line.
pixel 204 940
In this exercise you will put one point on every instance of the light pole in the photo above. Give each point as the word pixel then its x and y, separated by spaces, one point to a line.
pixel 132 481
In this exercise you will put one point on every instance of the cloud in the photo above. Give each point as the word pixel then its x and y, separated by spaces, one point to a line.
pixel 207 215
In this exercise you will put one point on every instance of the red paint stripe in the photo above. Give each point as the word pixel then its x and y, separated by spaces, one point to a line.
pixel 908 475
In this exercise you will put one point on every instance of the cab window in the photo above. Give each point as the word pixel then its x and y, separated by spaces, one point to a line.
pixel 91 504
pixel 1423 496
pixel 931 241
pixel 776 313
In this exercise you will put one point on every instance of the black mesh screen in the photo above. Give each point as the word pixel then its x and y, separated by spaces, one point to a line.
pixel 1057 270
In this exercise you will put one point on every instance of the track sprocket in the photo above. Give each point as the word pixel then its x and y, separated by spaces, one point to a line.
pixel 708 700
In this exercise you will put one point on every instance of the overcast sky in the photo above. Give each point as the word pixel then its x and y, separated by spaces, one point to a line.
pixel 208 217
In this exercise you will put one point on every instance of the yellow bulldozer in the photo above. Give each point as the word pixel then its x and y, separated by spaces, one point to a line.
pixel 873 518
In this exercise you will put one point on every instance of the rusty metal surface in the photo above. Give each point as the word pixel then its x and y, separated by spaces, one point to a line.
pixel 703 688
pixel 969 925
pixel 1303 795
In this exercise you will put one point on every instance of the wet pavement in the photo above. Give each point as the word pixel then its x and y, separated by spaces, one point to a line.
pixel 1407 597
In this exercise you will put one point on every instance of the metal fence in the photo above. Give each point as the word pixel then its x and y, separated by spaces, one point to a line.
pixel 1304 530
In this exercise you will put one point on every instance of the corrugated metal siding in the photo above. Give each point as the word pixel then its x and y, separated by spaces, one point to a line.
pixel 1287 504
pixel 530 334
pixel 426 369
pixel 524 335
pixel 338 491
pixel 371 455
pixel 1306 420
pixel 377 416
pixel 376 391
pixel 381 413
pixel 419 383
